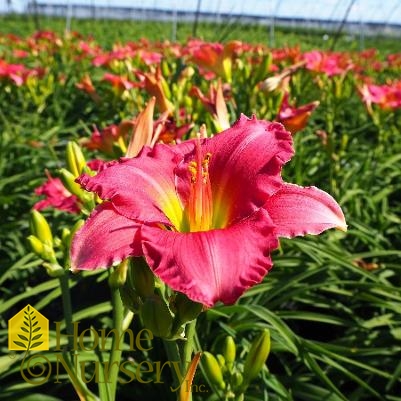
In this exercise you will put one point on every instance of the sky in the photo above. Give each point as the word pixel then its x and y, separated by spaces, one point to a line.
pixel 385 11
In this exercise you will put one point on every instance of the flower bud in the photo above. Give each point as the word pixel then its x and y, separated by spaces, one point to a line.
pixel 75 159
pixel 156 316
pixel 130 298
pixel 187 309
pixel 187 73
pixel 68 180
pixel 257 356
pixel 40 228
pixel 118 276
pixel 142 277
pixel 222 362
pixel 237 380
pixel 229 351
pixel 213 370
pixel 36 245
pixel 67 234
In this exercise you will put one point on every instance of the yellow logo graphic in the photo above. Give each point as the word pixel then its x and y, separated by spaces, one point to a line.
pixel 28 330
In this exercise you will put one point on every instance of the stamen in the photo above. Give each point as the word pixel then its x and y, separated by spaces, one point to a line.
pixel 200 206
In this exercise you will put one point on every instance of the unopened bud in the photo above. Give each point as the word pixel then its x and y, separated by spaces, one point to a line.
pixel 156 316
pixel 213 370
pixel 257 356
pixel 229 351
pixel 118 276
pixel 75 159
pixel 165 69
pixel 130 298
pixel 68 180
pixel 36 245
pixel 222 362
pixel 67 234
pixel 40 228
pixel 237 380
pixel 187 309
pixel 187 72
pixel 142 277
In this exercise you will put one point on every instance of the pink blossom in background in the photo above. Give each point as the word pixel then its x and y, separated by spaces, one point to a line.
pixel 56 196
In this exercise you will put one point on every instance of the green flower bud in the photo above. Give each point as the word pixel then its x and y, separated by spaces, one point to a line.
pixel 66 237
pixel 229 351
pixel 118 276
pixel 36 245
pixel 257 356
pixel 130 298
pixel 237 380
pixel 68 180
pixel 75 159
pixel 165 69
pixel 222 362
pixel 40 228
pixel 156 316
pixel 142 277
pixel 213 370
pixel 186 309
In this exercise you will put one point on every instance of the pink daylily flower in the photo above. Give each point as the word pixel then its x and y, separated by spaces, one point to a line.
pixel 329 63
pixel 56 196
pixel 205 214
pixel 387 96
pixel 293 118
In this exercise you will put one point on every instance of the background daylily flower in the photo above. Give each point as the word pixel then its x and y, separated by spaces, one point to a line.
pixel 295 118
pixel 387 96
pixel 205 213
pixel 56 196
pixel 155 84
pixel 215 104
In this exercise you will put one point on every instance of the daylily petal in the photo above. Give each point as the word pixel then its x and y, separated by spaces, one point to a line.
pixel 215 265
pixel 244 168
pixel 141 188
pixel 297 210
pixel 104 240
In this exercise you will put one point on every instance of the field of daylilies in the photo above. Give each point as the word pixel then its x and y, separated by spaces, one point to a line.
pixel 148 187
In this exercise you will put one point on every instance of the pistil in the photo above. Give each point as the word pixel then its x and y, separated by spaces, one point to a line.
pixel 200 205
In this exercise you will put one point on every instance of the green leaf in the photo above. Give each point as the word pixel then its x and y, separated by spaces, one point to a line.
pixel 20 344
pixel 22 337
pixel 36 344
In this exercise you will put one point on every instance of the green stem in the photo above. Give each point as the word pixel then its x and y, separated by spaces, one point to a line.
pixel 67 309
pixel 188 349
pixel 189 346
pixel 173 355
pixel 116 351
pixel 78 384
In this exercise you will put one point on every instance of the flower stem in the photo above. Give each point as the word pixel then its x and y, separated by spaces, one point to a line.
pixel 189 346
pixel 79 386
pixel 188 349
pixel 67 309
pixel 173 355
pixel 116 351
